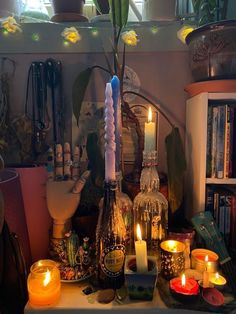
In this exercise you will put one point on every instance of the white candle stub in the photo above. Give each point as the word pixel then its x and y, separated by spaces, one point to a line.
pixel 149 133
pixel 141 252
pixel 110 146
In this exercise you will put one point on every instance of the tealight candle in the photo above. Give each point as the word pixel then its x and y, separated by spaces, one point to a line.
pixel 185 289
pixel 43 283
pixel 141 252
pixel 217 280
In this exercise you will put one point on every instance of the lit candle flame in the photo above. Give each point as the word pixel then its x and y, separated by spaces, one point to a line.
pixel 47 278
pixel 139 234
pixel 149 114
pixel 183 280
pixel 217 276
pixel 172 246
pixel 206 258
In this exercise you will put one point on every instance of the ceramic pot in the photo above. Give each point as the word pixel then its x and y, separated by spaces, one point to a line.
pixel 140 286
pixel 8 7
pixel 159 10
pixel 213 51
pixel 68 6
pixel 68 11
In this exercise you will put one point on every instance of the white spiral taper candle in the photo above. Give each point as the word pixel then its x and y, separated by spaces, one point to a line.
pixel 110 145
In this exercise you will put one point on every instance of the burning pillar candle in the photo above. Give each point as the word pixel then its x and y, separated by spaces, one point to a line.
pixel 110 146
pixel 141 252
pixel 149 133
pixel 43 283
pixel 205 279
pixel 115 84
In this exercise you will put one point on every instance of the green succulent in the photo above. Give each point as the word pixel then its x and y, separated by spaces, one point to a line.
pixel 208 11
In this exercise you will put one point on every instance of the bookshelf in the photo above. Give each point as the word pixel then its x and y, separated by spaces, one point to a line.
pixel 201 95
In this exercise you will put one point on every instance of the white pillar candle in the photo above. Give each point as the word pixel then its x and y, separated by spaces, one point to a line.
pixel 141 252
pixel 149 133
pixel 110 146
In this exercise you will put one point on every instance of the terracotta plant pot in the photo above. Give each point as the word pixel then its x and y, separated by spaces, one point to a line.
pixel 68 6
pixel 213 51
pixel 68 11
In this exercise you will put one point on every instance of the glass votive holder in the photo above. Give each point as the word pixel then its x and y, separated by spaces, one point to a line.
pixel 44 285
pixel 172 258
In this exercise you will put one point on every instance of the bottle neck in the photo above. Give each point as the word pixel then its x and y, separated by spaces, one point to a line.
pixel 149 180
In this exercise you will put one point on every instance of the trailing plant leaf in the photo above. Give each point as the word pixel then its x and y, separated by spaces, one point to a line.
pixel 176 164
pixel 97 6
pixel 119 12
pixel 78 90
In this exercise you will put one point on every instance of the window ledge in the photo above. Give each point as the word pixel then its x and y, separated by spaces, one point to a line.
pixel 153 36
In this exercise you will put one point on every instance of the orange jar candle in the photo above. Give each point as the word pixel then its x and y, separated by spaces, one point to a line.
pixel 44 285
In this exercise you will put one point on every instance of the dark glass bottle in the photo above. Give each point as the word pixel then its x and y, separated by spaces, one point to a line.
pixel 111 234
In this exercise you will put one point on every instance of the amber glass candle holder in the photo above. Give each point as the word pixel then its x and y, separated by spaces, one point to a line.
pixel 44 285
pixel 172 258
pixel 198 260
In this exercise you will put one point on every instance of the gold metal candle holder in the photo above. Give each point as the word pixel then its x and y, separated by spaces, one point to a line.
pixel 172 258
pixel 198 260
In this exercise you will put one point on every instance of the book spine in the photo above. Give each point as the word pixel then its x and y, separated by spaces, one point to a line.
pixel 220 143
pixel 210 199
pixel 227 218
pixel 227 141
pixel 233 223
pixel 234 147
pixel 213 141
pixel 209 142
pixel 231 143
pixel 216 208
pixel 221 223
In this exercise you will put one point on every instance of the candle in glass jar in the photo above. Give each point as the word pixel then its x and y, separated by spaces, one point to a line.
pixel 141 252
pixel 43 283
pixel 149 133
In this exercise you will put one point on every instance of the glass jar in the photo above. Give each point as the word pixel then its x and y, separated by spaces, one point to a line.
pixel 151 206
pixel 44 285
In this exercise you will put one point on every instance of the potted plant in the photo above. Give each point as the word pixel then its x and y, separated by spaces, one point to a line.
pixel 212 45
pixel 175 154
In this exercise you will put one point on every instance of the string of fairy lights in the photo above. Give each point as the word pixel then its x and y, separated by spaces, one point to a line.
pixel 72 35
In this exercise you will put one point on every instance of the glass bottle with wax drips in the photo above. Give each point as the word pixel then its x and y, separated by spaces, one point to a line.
pixel 151 206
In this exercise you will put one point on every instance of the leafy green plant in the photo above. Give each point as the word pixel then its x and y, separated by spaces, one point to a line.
pixel 175 153
pixel 208 11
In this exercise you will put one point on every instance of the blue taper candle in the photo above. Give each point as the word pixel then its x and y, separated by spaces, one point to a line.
pixel 115 84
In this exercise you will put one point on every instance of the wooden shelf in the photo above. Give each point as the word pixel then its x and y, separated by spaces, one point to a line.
pixel 214 86
pixel 220 181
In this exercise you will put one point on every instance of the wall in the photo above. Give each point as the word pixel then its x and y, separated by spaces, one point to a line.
pixel 160 61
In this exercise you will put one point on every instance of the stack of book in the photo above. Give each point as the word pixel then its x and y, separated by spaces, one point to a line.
pixel 221 141
pixel 221 202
